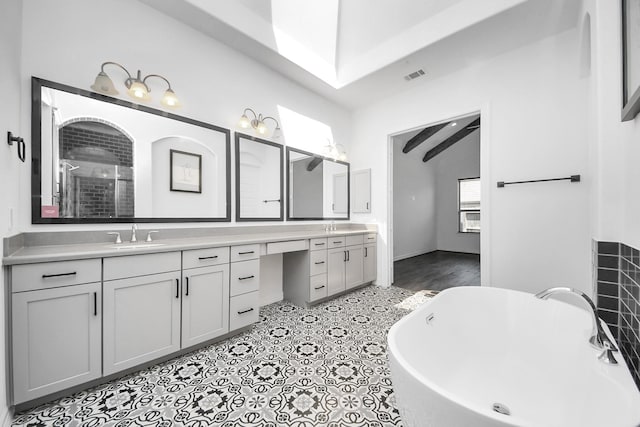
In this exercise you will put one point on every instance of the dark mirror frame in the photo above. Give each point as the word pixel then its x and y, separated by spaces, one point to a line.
pixel 237 164
pixel 307 153
pixel 630 95
pixel 36 160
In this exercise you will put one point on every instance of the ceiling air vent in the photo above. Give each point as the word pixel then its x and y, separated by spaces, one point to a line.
pixel 414 75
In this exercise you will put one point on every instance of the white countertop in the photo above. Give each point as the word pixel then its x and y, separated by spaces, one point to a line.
pixel 34 254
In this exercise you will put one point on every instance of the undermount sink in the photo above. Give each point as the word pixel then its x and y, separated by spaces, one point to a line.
pixel 134 245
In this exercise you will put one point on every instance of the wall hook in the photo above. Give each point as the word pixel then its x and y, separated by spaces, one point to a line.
pixel 22 148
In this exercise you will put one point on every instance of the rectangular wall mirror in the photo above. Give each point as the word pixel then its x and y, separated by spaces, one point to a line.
pixel 259 176
pixel 97 159
pixel 317 187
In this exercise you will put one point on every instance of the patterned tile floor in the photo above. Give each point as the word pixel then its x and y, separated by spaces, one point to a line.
pixel 324 366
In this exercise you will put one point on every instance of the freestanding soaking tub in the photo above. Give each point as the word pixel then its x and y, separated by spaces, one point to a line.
pixel 480 356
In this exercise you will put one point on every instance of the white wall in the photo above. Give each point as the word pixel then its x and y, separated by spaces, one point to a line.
pixel 67 44
pixel 414 203
pixel 10 166
pixel 616 150
pixel 462 160
pixel 533 106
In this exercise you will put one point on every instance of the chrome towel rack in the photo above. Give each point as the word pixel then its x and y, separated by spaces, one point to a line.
pixel 572 178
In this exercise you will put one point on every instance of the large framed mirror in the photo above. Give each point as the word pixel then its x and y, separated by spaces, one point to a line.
pixel 317 187
pixel 97 159
pixel 259 176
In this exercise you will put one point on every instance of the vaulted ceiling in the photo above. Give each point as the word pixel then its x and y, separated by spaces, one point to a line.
pixel 434 139
pixel 357 51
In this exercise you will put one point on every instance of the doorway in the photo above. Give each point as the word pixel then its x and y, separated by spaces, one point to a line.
pixel 436 205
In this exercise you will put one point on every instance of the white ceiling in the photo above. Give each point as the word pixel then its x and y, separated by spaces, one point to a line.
pixel 355 52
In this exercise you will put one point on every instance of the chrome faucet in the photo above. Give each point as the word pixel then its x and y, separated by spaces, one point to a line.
pixel 134 227
pixel 598 337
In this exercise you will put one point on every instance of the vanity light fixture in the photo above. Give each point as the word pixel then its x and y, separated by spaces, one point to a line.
pixel 258 123
pixel 136 86
pixel 335 151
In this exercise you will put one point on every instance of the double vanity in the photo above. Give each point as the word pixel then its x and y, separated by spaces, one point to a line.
pixel 84 313
pixel 83 307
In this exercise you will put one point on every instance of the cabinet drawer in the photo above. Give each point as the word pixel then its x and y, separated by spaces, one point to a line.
pixel 358 239
pixel 288 246
pixel 140 265
pixel 245 252
pixel 336 242
pixel 370 238
pixel 318 287
pixel 205 257
pixel 243 310
pixel 317 262
pixel 316 244
pixel 45 275
pixel 245 277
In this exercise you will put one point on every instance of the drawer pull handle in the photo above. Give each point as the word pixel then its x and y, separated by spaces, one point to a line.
pixel 207 257
pixel 370 238
pixel 95 303
pixel 318 287
pixel 319 262
pixel 245 311
pixel 319 244
pixel 187 280
pixel 335 243
pixel 245 253
pixel 47 276
pixel 177 288
pixel 247 277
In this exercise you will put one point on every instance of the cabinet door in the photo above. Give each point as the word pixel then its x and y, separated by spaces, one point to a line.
pixel 205 304
pixel 141 320
pixel 353 275
pixel 335 270
pixel 56 339
pixel 361 191
pixel 370 263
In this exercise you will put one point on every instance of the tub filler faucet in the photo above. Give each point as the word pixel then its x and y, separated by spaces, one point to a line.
pixel 598 337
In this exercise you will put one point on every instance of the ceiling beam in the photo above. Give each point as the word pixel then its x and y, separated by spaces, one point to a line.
pixel 422 136
pixel 452 140
pixel 313 163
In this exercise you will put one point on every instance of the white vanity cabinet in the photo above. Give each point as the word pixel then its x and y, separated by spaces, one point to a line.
pixel 205 295
pixel 369 266
pixel 141 318
pixel 345 263
pixel 332 265
pixel 56 326
pixel 244 303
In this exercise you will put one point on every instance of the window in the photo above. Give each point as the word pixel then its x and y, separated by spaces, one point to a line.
pixel 469 205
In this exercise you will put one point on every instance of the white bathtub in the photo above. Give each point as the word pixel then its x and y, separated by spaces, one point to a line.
pixel 487 345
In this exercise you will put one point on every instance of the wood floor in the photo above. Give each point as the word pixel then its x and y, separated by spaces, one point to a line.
pixel 437 271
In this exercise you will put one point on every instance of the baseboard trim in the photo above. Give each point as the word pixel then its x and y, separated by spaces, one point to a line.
pixel 411 255
pixel 402 257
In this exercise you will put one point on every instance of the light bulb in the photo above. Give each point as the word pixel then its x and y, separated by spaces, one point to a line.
pixel 261 128
pixel 139 91
pixel 277 133
pixel 170 99
pixel 244 122
pixel 104 84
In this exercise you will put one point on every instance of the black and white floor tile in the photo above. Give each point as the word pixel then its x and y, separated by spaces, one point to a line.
pixel 323 366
